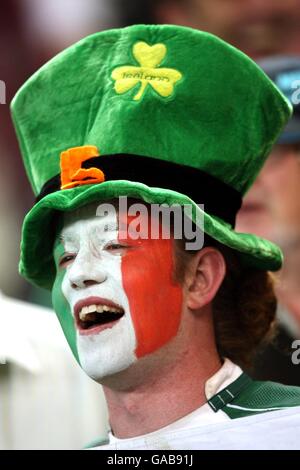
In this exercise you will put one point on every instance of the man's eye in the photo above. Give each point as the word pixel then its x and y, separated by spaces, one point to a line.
pixel 115 247
pixel 65 260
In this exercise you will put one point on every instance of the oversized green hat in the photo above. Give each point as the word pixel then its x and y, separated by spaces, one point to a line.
pixel 176 115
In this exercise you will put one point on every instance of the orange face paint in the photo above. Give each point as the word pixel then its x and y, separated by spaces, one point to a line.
pixel 155 299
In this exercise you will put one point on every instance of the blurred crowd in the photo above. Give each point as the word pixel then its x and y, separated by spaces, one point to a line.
pixel 32 31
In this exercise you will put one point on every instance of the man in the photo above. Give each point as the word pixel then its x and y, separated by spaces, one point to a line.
pixel 272 209
pixel 166 116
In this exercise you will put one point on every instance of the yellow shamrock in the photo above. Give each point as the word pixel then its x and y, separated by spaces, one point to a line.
pixel 149 58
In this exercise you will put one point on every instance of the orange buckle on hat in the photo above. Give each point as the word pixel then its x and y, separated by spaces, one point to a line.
pixel 72 174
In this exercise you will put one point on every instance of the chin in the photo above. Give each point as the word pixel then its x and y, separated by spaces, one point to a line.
pixel 99 370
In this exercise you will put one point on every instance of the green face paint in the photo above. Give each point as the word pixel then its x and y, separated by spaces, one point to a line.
pixel 60 304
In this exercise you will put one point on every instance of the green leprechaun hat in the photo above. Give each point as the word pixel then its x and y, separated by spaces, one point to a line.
pixel 162 113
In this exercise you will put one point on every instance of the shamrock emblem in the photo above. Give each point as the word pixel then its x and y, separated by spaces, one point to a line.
pixel 162 80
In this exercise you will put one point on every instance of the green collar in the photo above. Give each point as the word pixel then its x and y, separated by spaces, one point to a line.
pixel 228 394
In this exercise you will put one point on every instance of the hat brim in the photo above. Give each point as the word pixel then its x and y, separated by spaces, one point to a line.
pixel 39 228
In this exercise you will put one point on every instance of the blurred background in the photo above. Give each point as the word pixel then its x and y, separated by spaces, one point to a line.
pixel 32 31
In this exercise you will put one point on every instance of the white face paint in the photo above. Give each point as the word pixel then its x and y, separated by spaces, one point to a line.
pixel 94 271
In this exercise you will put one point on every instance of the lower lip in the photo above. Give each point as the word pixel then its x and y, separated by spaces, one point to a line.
pixel 95 330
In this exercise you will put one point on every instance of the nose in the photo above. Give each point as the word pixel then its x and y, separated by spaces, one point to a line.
pixel 86 272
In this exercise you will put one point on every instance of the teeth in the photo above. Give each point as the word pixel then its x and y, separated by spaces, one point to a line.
pixel 82 315
pixel 85 311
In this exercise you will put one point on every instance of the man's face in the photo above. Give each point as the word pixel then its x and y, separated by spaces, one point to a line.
pixel 115 296
pixel 271 208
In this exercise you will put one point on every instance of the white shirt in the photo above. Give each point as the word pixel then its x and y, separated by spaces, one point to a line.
pixel 203 429
pixel 203 416
pixel 46 400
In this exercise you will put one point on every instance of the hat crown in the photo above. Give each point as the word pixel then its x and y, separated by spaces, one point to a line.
pixel 167 92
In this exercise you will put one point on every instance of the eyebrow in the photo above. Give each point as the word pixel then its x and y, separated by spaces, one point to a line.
pixel 107 227
pixel 67 238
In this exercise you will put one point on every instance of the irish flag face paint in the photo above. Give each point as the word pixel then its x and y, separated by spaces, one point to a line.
pixel 119 294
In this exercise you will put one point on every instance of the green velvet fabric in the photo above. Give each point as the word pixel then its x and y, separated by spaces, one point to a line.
pixel 162 91
pixel 37 263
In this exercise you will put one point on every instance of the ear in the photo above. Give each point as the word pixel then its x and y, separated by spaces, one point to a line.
pixel 204 277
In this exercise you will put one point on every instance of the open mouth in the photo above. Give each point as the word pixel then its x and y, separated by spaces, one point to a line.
pixel 94 317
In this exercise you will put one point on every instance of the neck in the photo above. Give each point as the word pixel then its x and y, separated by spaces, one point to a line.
pixel 162 390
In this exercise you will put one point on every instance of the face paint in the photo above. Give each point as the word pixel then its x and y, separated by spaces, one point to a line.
pixel 61 305
pixel 99 268
pixel 92 276
pixel 155 300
